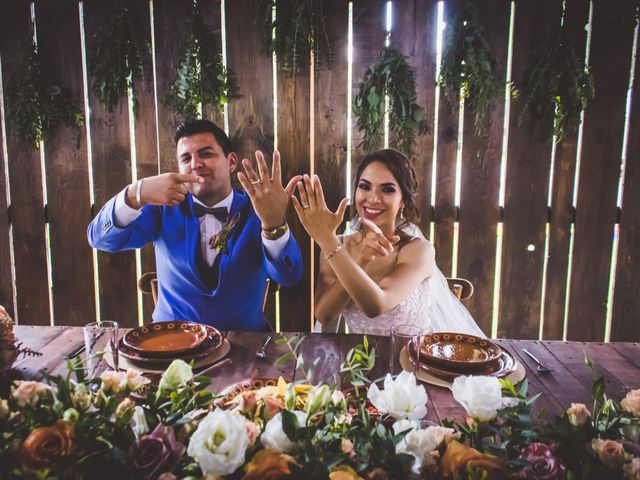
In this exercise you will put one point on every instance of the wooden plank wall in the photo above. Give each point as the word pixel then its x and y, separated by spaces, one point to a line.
pixel 319 145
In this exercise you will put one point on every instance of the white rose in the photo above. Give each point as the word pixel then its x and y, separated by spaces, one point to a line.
pixel 113 381
pixel 419 443
pixel 219 443
pixel 632 469
pixel 4 409
pixel 578 414
pixel 480 396
pixel 179 372
pixel 139 423
pixel 631 402
pixel 274 436
pixel 30 393
pixel 401 398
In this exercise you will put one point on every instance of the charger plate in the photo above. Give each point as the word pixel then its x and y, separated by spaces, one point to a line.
pixel 424 376
pixel 216 355
pixel 459 351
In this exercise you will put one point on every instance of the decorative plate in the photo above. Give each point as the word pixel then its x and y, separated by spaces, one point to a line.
pixel 230 392
pixel 459 351
pixel 166 339
pixel 504 366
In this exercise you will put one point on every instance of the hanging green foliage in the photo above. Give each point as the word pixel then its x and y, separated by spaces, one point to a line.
pixel 392 76
pixel 469 67
pixel 116 64
pixel 201 78
pixel 300 27
pixel 559 88
pixel 36 104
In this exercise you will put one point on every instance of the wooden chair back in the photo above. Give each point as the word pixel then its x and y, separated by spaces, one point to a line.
pixel 461 288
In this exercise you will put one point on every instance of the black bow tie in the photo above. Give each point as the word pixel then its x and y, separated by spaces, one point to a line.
pixel 221 213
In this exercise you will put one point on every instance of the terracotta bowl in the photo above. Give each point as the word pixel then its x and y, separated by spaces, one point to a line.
pixel 167 339
pixel 459 351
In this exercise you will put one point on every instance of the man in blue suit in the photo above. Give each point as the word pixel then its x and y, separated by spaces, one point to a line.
pixel 215 246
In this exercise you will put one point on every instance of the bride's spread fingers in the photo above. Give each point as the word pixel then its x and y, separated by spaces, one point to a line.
pixel 304 201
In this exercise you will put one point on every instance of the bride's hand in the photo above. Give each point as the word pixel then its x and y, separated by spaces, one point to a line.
pixel 319 222
pixel 374 244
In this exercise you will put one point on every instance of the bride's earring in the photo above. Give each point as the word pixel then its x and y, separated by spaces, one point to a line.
pixel 402 214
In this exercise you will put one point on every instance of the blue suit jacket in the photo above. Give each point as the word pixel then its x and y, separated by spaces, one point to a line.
pixel 236 302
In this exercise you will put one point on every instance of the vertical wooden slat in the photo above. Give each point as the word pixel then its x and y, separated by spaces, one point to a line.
pixel 25 179
pixel 331 112
pixel 526 189
pixel 67 170
pixel 111 153
pixel 626 303
pixel 369 33
pixel 6 275
pixel 145 134
pixel 447 134
pixel 294 145
pixel 415 36
pixel 251 115
pixel 212 18
pixel 481 179
pixel 169 16
pixel 575 19
pixel 599 173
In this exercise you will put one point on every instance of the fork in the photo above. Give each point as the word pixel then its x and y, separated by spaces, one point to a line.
pixel 541 367
pixel 261 353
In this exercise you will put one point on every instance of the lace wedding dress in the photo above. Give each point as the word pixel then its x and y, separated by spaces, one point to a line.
pixel 430 307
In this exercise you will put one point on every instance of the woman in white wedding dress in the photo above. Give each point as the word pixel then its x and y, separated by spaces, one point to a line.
pixel 385 273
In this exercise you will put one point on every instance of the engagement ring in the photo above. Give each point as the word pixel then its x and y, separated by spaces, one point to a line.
pixel 256 182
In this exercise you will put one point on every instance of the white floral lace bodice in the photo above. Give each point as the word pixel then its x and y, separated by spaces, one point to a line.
pixel 413 310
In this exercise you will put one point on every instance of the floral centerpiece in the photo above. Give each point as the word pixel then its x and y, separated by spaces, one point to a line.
pixel 121 426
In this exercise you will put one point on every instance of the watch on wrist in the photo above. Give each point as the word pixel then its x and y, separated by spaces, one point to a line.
pixel 276 232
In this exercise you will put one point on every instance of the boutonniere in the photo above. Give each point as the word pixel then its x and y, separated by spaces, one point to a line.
pixel 219 240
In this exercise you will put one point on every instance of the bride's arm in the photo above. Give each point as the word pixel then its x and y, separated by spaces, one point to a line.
pixel 331 298
pixel 415 263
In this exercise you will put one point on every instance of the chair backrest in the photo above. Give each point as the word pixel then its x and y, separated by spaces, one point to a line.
pixel 461 288
pixel 148 285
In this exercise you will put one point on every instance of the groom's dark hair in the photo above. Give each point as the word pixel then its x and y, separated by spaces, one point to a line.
pixel 193 126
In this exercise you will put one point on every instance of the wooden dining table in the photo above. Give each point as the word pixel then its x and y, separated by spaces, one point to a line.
pixel 569 381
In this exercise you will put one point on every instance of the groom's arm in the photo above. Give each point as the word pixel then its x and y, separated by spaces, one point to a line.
pixel 283 259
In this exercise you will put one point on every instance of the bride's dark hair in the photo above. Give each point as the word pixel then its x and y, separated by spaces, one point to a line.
pixel 402 170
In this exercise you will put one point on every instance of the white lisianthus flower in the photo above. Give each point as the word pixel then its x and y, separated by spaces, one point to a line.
pixel 219 443
pixel 176 374
pixel 139 423
pixel 274 436
pixel 338 399
pixel 578 414
pixel 318 399
pixel 29 392
pixel 401 398
pixel 481 396
pixel 135 379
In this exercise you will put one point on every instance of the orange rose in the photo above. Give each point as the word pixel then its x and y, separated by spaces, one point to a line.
pixel 459 458
pixel 45 445
pixel 268 464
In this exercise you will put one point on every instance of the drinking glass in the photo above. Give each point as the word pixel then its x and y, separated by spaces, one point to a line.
pixel 409 337
pixel 101 340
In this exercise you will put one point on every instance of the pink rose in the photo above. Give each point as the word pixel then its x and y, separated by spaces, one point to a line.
pixel 544 465
pixel 631 402
pixel 272 405
pixel 578 414
pixel 30 392
pixel 610 452
pixel 156 453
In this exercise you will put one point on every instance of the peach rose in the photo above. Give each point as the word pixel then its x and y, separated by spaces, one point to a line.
pixel 253 432
pixel 344 472
pixel 578 414
pixel 631 402
pixel 272 405
pixel 268 464
pixel 458 458
pixel 45 445
pixel 29 392
pixel 610 452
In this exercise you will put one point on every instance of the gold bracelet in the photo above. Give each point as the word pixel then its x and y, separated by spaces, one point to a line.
pixel 332 253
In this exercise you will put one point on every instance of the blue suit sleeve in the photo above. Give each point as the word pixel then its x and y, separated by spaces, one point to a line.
pixel 287 268
pixel 104 234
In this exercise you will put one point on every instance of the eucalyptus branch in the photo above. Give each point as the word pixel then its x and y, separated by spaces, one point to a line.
pixel 469 67
pixel 389 87
pixel 293 344
pixel 201 77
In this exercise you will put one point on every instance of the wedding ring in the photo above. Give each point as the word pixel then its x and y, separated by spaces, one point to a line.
pixel 305 207
pixel 256 182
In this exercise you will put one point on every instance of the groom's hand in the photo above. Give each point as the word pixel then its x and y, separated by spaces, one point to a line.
pixel 269 198
pixel 169 189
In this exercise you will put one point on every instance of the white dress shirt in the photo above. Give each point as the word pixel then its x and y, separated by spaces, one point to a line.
pixel 209 226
